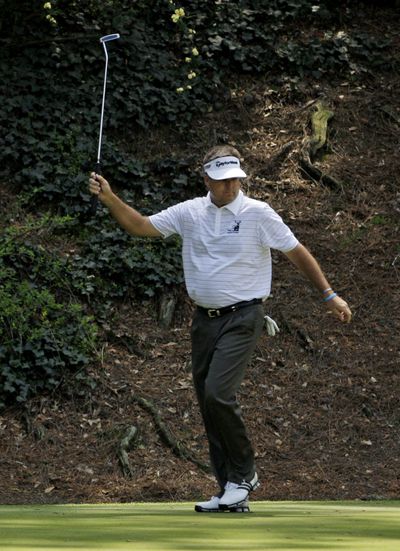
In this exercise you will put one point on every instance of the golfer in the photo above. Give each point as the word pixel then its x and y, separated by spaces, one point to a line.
pixel 227 239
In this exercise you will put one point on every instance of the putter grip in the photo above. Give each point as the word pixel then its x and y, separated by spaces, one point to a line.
pixel 94 200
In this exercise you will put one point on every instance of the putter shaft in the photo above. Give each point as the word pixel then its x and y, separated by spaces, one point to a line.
pixel 103 40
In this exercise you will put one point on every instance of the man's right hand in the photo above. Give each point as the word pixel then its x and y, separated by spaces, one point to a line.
pixel 99 186
pixel 128 218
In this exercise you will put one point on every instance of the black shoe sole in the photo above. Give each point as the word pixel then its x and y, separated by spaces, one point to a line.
pixel 232 509
pixel 199 509
pixel 239 507
pixel 237 510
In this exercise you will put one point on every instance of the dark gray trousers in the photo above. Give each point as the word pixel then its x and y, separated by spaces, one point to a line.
pixel 221 350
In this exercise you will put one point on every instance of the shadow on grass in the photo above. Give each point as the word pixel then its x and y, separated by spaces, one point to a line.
pixel 166 526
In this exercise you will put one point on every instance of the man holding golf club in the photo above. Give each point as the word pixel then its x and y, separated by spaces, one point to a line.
pixel 226 242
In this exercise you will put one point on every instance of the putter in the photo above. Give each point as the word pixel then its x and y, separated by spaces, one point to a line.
pixel 104 39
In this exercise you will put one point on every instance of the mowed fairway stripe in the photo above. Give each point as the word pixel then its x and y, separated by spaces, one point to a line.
pixel 280 526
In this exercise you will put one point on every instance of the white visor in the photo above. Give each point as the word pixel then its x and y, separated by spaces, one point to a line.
pixel 223 168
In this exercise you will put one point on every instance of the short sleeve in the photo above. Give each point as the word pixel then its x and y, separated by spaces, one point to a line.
pixel 274 233
pixel 169 221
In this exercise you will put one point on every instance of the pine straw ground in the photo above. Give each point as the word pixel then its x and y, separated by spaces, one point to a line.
pixel 320 399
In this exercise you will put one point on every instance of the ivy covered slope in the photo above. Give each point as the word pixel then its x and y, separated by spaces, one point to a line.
pixel 173 63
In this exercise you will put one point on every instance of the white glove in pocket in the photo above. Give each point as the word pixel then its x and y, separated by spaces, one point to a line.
pixel 271 326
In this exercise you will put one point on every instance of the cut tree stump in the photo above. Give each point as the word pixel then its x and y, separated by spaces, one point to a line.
pixel 309 152
pixel 319 127
pixel 167 308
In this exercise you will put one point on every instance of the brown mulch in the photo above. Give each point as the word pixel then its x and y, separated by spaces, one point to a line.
pixel 320 399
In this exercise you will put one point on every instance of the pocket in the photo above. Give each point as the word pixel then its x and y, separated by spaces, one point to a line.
pixel 252 318
pixel 195 323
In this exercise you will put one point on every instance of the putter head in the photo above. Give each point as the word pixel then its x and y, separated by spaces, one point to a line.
pixel 109 37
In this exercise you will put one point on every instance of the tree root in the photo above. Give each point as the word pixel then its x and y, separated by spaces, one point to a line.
pixel 129 342
pixel 125 445
pixel 178 448
pixel 311 172
pixel 303 338
pixel 275 161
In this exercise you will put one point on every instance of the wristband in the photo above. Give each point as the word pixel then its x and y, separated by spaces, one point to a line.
pixel 333 295
pixel 326 290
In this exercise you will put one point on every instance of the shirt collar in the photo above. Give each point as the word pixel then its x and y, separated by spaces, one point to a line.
pixel 234 207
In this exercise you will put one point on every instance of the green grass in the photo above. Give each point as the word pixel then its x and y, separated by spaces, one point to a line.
pixel 278 526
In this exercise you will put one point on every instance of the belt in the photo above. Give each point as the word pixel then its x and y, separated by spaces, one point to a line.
pixel 218 312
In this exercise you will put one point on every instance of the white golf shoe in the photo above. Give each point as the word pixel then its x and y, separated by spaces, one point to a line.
pixel 212 506
pixel 236 495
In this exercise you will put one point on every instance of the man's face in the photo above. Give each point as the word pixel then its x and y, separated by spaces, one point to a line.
pixel 223 191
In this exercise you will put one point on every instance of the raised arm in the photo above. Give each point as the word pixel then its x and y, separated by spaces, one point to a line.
pixel 127 217
pixel 309 267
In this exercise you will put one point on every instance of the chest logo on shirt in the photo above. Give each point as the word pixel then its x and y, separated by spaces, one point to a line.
pixel 234 228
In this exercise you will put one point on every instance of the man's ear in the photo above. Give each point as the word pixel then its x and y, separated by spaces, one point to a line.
pixel 206 181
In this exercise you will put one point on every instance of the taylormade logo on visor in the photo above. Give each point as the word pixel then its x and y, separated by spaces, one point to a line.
pixel 223 168
pixel 222 163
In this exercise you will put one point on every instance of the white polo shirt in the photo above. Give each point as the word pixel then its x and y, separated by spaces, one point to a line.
pixel 226 251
